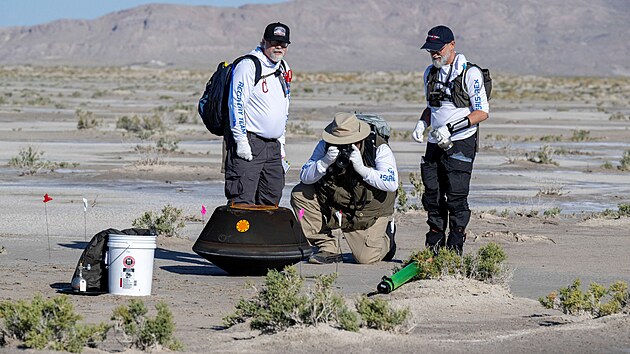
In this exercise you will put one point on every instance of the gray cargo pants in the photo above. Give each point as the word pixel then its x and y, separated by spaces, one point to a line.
pixel 259 181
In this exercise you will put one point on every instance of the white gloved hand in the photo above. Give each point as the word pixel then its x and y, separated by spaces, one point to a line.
pixel 243 150
pixel 418 133
pixel 357 162
pixel 443 137
pixel 330 157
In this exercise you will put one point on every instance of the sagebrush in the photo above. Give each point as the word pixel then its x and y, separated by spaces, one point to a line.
pixel 573 301
pixel 282 303
pixel 167 223
pixel 49 324
pixel 143 332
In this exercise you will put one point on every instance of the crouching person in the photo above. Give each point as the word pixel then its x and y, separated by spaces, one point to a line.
pixel 349 183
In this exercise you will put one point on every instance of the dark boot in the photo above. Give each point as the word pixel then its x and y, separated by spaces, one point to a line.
pixel 436 239
pixel 456 239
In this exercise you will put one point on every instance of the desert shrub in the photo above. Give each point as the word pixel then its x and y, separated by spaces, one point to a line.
pixel 29 161
pixel 276 306
pixel 168 223
pixel 143 332
pixel 378 314
pixel 49 324
pixel 416 182
pixel 543 156
pixel 623 210
pixel 416 192
pixel 281 303
pixel 402 199
pixel 618 116
pixel 573 301
pixel 607 165
pixel 581 135
pixel 138 125
pixel 624 163
pixel 86 120
pixel 167 143
pixel 487 265
pixel 323 305
pixel 553 212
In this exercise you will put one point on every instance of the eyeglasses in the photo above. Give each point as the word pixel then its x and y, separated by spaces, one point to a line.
pixel 437 51
pixel 278 43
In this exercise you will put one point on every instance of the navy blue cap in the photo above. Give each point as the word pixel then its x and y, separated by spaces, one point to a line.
pixel 437 37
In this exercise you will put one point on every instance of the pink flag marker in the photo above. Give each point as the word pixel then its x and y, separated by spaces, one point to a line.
pixel 203 213
pixel 300 214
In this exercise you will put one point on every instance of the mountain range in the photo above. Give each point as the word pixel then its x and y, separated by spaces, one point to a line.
pixel 540 37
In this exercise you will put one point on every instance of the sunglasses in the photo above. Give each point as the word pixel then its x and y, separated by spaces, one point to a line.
pixel 437 51
pixel 278 43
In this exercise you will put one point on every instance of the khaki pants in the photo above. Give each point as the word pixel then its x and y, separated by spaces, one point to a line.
pixel 367 246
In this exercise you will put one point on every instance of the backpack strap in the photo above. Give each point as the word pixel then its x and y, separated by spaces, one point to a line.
pixel 258 74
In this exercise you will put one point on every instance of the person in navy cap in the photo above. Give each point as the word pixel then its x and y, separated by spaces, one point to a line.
pixel 456 104
pixel 254 169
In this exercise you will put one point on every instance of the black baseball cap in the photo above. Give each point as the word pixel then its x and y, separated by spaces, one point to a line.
pixel 277 32
pixel 437 37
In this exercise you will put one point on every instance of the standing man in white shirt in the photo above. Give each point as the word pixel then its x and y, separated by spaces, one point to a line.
pixel 349 183
pixel 456 104
pixel 258 115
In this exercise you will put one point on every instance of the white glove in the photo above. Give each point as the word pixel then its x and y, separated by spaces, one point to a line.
pixel 329 158
pixel 443 137
pixel 418 133
pixel 357 162
pixel 243 150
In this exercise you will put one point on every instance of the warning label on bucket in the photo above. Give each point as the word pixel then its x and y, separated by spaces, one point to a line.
pixel 129 262
pixel 127 280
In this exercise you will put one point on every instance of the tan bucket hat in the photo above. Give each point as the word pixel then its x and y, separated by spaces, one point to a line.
pixel 345 128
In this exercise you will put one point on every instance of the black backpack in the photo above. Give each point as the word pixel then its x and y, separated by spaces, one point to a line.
pixel 97 277
pixel 459 96
pixel 213 104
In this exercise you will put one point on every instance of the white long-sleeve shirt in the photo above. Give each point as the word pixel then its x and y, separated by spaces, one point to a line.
pixel 383 176
pixel 262 109
pixel 447 112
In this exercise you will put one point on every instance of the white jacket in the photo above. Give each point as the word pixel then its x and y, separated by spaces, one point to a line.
pixel 447 112
pixel 262 109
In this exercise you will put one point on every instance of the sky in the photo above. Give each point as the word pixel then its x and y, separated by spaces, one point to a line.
pixel 33 12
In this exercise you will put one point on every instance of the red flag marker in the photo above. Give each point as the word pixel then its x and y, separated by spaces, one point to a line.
pixel 47 198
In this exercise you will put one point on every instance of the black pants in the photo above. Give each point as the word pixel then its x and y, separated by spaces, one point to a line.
pixel 446 179
pixel 259 181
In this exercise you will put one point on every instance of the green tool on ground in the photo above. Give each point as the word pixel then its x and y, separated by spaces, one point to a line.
pixel 389 284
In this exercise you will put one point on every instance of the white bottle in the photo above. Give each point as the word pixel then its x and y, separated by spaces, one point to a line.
pixel 82 282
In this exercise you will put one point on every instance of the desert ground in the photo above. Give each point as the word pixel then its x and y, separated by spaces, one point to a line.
pixel 549 180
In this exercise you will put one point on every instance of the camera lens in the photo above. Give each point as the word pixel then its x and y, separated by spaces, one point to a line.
pixel 343 159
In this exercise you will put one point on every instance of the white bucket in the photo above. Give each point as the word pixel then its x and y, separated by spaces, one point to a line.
pixel 130 261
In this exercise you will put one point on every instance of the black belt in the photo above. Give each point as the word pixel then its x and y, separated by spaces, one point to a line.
pixel 268 140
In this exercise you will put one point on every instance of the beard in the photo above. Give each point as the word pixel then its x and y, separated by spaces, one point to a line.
pixel 276 56
pixel 440 61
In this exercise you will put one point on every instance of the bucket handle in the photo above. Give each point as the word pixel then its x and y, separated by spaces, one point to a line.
pixel 120 254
